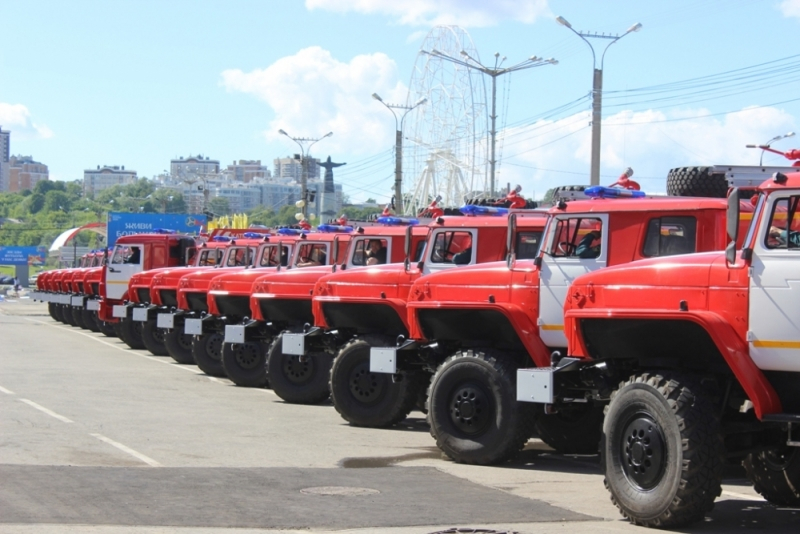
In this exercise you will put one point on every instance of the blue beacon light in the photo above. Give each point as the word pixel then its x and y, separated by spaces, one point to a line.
pixel 598 191
pixel 335 228
pixel 472 209
pixel 397 221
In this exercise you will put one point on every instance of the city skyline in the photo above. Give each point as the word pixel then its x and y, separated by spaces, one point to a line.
pixel 137 83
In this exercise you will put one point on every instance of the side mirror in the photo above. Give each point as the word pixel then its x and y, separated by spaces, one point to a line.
pixel 335 249
pixel 407 244
pixel 732 222
pixel 730 253
pixel 512 229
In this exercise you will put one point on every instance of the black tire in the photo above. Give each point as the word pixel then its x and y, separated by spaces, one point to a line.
pixel 245 363
pixel 66 315
pixel 298 382
pixel 207 351
pixel 130 332
pixel 59 311
pixel 575 429
pixel 472 408
pixel 77 317
pixel 117 327
pixel 696 182
pixel 369 399
pixel 52 309
pixel 107 329
pixel 179 346
pixel 89 320
pixel 662 450
pixel 775 474
pixel 153 338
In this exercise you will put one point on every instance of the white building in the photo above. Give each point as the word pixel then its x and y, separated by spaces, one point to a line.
pixel 5 154
pixel 289 168
pixel 193 165
pixel 95 180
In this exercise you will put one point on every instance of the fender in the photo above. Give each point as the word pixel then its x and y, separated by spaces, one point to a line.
pixel 732 348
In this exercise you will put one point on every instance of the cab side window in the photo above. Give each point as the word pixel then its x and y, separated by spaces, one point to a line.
pixel 312 254
pixel 370 252
pixel 669 236
pixel 452 247
pixel 784 225
pixel 527 245
pixel 577 238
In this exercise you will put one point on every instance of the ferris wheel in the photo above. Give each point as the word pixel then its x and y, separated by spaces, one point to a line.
pixel 445 150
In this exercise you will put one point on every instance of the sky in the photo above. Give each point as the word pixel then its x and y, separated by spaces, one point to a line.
pixel 138 83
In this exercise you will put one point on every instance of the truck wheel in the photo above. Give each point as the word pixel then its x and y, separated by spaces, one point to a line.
pixel 179 346
pixel 472 408
pixel 107 329
pixel 131 333
pixel 153 338
pixel 77 317
pixel 53 311
pixel 369 399
pixel 245 364
pixel 207 351
pixel 295 381
pixel 575 429
pixel 88 320
pixel 696 182
pixel 66 315
pixel 775 474
pixel 662 450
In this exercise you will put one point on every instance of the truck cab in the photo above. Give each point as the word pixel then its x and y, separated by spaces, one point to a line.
pixel 370 311
pixel 696 359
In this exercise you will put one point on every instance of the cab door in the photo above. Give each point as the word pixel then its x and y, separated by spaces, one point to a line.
pixel 569 251
pixel 124 263
pixel 774 315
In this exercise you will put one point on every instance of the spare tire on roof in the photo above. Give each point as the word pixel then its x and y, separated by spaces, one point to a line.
pixel 696 182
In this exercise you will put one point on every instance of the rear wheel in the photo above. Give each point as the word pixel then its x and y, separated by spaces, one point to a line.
pixel 298 382
pixel 245 364
pixel 52 309
pixel 472 408
pixel 179 346
pixel 662 450
pixel 207 351
pixel 153 338
pixel 66 315
pixel 77 317
pixel 131 333
pixel 574 429
pixel 364 398
pixel 775 474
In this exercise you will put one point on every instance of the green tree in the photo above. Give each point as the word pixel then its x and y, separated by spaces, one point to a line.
pixel 55 200
pixel 35 202
pixel 220 206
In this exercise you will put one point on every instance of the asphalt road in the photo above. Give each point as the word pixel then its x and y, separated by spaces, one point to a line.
pixel 95 437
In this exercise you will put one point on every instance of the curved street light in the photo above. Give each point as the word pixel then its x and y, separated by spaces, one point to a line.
pixel 597 88
pixel 398 147
pixel 766 146
pixel 304 150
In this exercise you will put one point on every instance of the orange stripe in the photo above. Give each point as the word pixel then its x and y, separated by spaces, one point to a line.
pixel 552 327
pixel 777 344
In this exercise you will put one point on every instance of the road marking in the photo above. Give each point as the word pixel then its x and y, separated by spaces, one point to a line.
pixel 149 461
pixel 6 391
pixel 45 410
pixel 743 496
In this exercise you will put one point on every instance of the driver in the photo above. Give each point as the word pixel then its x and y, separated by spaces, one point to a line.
pixel 376 253
pixel 585 248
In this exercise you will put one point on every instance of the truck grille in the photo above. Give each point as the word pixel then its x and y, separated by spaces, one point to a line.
pixel 95 288
pixel 144 295
pixel 238 306
pixel 197 302
pixel 80 287
pixel 169 297
pixel 287 310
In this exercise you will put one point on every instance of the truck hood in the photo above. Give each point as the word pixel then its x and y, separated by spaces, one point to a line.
pixel 240 282
pixel 296 283
pixel 472 283
pixel 379 281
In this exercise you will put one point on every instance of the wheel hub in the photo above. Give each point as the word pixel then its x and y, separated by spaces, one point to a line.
pixel 246 355
pixel 643 452
pixel 185 341
pixel 470 409
pixel 214 346
pixel 366 386
pixel 296 371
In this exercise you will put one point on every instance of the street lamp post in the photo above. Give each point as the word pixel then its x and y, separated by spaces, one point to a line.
pixel 494 72
pixel 398 147
pixel 304 151
pixel 766 145
pixel 597 88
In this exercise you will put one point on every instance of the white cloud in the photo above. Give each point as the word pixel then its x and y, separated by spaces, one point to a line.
pixel 648 141
pixel 467 13
pixel 17 119
pixel 312 93
pixel 790 8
